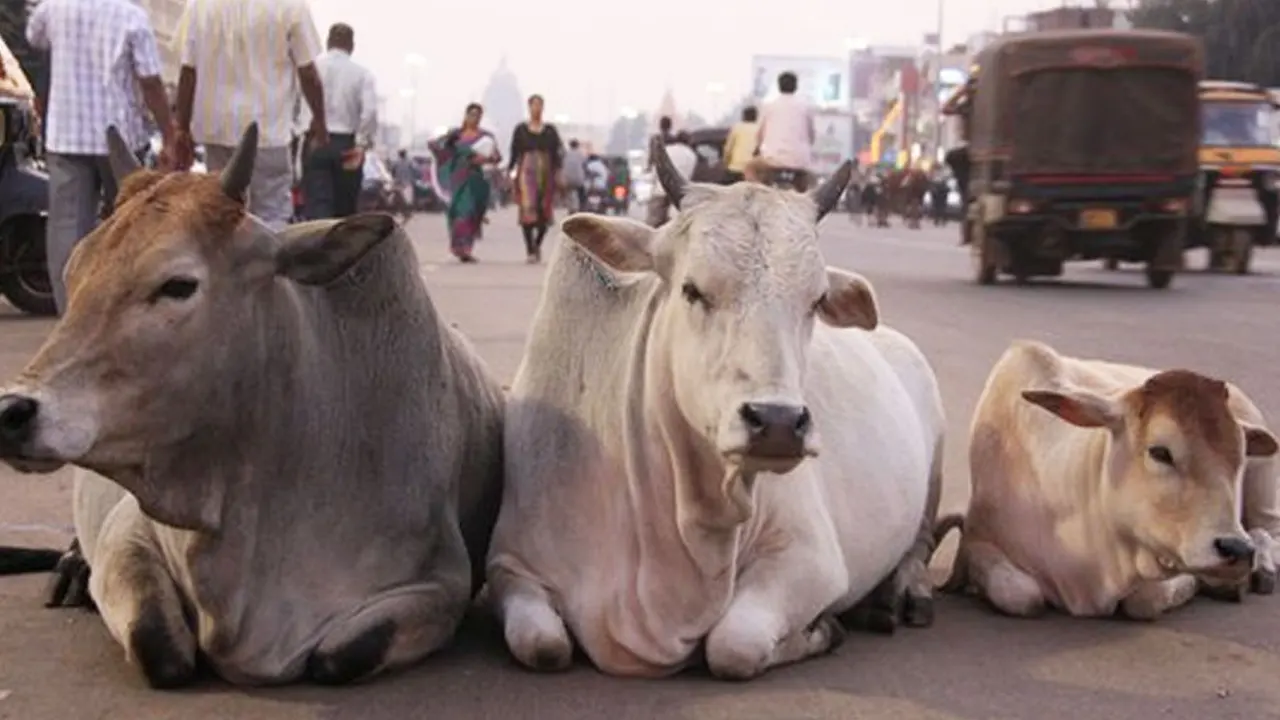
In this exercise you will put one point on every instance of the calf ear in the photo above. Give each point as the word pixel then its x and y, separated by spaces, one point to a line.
pixel 850 301
pixel 1081 409
pixel 622 244
pixel 1259 442
pixel 317 253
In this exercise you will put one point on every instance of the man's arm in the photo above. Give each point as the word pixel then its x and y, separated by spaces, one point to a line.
pixel 368 110
pixel 187 34
pixel 38 27
pixel 146 65
pixel 304 48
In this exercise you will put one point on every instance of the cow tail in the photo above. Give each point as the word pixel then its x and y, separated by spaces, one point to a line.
pixel 959 579
pixel 20 561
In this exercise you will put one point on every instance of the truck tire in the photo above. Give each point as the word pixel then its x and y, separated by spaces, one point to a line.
pixel 24 274
pixel 1241 252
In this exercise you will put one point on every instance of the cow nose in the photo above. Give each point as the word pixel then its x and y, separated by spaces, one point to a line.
pixel 17 419
pixel 776 430
pixel 1234 549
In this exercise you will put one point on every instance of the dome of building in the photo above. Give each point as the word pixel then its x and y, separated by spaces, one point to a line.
pixel 504 103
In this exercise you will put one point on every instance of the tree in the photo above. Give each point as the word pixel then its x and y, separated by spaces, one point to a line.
pixel 1240 36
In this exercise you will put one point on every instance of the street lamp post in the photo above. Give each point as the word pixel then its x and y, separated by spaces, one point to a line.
pixel 410 98
pixel 416 64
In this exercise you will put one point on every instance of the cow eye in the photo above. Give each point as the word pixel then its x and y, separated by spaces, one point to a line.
pixel 178 288
pixel 693 295
pixel 1160 454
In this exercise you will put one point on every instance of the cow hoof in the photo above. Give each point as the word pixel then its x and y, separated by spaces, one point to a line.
pixel 356 660
pixel 69 586
pixel 164 664
pixel 831 627
pixel 1263 582
pixel 917 610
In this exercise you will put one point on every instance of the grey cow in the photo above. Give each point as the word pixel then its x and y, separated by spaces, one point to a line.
pixel 290 466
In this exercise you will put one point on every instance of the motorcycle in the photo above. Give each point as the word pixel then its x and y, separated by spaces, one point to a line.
pixel 24 214
pixel 1233 218
pixel 595 202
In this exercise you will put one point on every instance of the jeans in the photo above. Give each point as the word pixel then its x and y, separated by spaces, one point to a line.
pixel 81 190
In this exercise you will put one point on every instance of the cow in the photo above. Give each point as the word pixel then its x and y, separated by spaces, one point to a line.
pixel 1101 488
pixel 288 466
pixel 904 192
pixel 665 481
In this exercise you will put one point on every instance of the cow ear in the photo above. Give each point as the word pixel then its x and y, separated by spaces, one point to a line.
pixel 317 253
pixel 850 301
pixel 1081 409
pixel 622 244
pixel 1259 442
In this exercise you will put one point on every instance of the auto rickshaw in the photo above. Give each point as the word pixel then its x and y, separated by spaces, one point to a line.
pixel 1083 144
pixel 619 199
pixel 1240 174
pixel 24 213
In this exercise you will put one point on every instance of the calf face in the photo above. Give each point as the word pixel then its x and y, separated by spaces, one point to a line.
pixel 172 302
pixel 1173 469
pixel 744 281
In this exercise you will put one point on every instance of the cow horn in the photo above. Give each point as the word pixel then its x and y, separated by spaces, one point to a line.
pixel 239 170
pixel 827 195
pixel 121 159
pixel 672 182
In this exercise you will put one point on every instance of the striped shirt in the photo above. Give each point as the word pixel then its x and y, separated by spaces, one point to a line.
pixel 246 54
pixel 98 50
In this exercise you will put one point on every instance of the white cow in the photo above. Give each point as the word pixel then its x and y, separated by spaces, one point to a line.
pixel 288 455
pixel 665 483
pixel 1100 487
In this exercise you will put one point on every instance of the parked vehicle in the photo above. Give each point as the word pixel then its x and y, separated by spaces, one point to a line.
pixel 1240 174
pixel 619 199
pixel 425 197
pixel 376 188
pixel 1084 145
pixel 24 213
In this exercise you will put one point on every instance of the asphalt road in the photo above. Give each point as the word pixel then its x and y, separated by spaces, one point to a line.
pixel 1208 661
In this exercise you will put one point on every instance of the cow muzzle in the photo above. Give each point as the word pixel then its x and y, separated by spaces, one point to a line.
pixel 20 423
pixel 776 436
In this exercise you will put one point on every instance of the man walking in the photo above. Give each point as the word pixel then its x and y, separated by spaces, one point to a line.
pixel 575 174
pixel 332 174
pixel 105 71
pixel 244 61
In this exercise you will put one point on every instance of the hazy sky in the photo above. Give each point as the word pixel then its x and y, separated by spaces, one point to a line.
pixel 591 58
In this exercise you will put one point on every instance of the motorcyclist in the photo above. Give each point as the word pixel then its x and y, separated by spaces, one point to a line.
pixel 787 133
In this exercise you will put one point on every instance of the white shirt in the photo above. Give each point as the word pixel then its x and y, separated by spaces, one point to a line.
pixel 350 97
pixel 98 49
pixel 246 54
pixel 786 125
pixel 684 159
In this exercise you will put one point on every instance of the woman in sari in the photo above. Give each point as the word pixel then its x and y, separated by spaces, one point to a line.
pixel 536 156
pixel 460 179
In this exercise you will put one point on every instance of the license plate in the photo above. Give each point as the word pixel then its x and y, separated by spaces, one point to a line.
pixel 1099 219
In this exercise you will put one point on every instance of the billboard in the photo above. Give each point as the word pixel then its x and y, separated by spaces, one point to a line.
pixel 824 80
pixel 833 141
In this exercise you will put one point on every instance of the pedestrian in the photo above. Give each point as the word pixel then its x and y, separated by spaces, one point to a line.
pixel 461 156
pixel 404 176
pixel 245 61
pixel 740 146
pixel 685 159
pixel 333 173
pixel 105 71
pixel 536 157
pixel 574 175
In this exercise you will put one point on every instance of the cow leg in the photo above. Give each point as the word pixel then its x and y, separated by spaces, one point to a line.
pixel 1009 589
pixel 1261 516
pixel 1153 599
pixel 777 615
pixel 391 630
pixel 535 633
pixel 139 601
